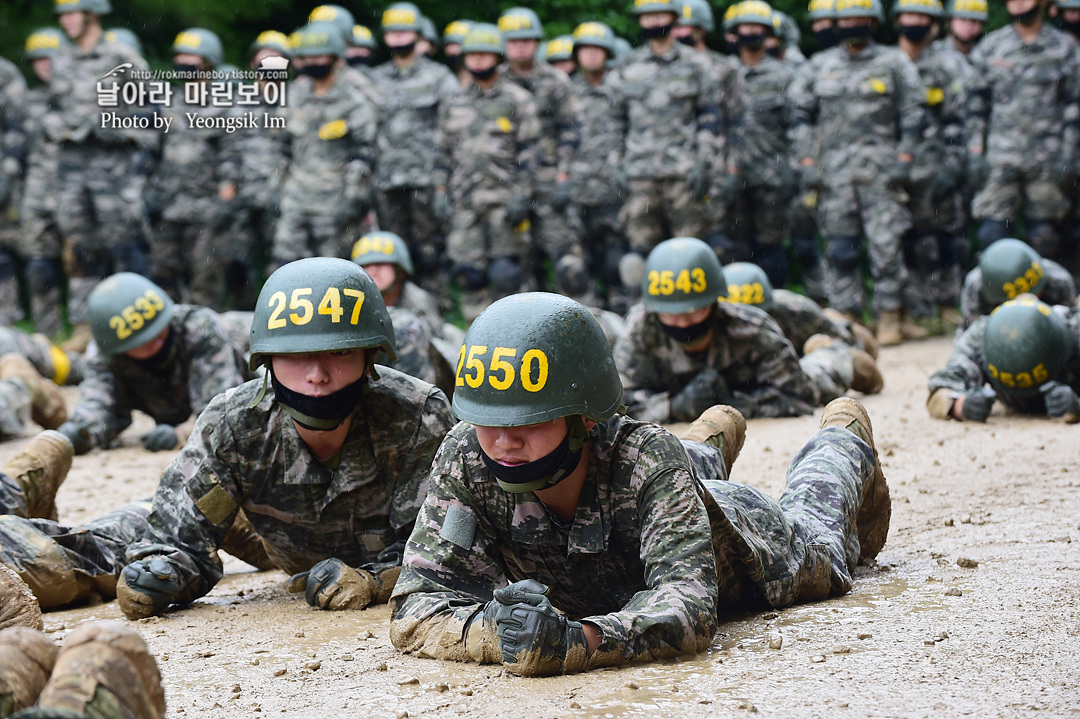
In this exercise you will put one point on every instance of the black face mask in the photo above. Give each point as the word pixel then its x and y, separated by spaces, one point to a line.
pixel 359 61
pixel 855 36
pixel 483 74
pixel 540 474
pixel 185 68
pixel 655 33
pixel 825 38
pixel 752 42
pixel 915 33
pixel 454 62
pixel 316 71
pixel 1073 28
pixel 688 335
pixel 319 414
pixel 401 50
pixel 1027 18
pixel 687 40
pixel 164 357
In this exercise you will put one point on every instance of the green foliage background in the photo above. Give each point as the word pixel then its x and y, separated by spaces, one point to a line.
pixel 157 22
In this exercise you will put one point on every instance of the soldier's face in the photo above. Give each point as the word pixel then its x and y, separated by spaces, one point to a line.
pixel 1019 7
pixel 591 58
pixel 319 373
pixel 384 274
pixel 519 445
pixel 913 18
pixel 151 348
pixel 397 38
pixel 821 24
pixel 681 31
pixel 685 319
pixel 481 61
pixel 517 50
pixel 1071 15
pixel 74 23
pixel 656 19
pixel 966 30
pixel 42 67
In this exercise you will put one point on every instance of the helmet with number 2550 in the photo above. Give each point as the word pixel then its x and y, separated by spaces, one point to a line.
pixel 535 357
pixel 126 311
pixel 319 304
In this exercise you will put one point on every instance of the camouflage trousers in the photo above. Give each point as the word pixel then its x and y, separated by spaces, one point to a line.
pixel 244 244
pixel 15 399
pixel 857 203
pixel 931 254
pixel 40 246
pixel 67 565
pixel 557 236
pixel 187 262
pixel 803 547
pixel 831 371
pixel 1010 188
pixel 299 235
pixel 604 243
pixel 479 233
pixel 408 213
pixel 656 210
pixel 760 215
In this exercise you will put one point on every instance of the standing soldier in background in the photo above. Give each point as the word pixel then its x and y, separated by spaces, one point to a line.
pixel 930 247
pixel 556 227
pixel 331 147
pixel 559 53
pixel 100 210
pixel 39 234
pixel 12 155
pixel 1068 19
pixel 411 89
pixel 1024 128
pixel 360 49
pixel 489 139
pixel 822 17
pixel 453 36
pixel 597 170
pixel 674 132
pixel 966 20
pixel 858 117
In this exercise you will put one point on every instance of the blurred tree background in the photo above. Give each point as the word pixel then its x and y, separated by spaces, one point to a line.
pixel 157 22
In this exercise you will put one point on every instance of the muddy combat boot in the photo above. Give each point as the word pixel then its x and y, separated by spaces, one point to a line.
pixel 872 520
pixel 40 468
pixel 864 338
pixel 18 605
pixel 104 670
pixel 910 330
pixel 26 659
pixel 867 379
pixel 47 406
pixel 79 339
pixel 950 317
pixel 722 427
pixel 888 329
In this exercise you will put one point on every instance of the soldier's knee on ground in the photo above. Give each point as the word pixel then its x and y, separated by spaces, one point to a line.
pixel 41 564
pixel 843 253
pixel 27 658
pixel 18 606
pixel 105 669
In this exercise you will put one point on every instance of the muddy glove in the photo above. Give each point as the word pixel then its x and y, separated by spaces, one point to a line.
pixel 535 639
pixel 563 195
pixel 698 180
pixel 977 404
pixel 517 210
pixel 160 438
pixel 79 436
pixel 332 584
pixel 705 390
pixel 146 587
pixel 440 205
pixel 1061 401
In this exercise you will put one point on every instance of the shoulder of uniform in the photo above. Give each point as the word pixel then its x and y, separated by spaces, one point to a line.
pixel 394 388
pixel 636 315
pixel 645 446
pixel 514 90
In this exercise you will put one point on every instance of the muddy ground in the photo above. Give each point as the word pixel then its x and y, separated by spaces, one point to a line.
pixel 973 608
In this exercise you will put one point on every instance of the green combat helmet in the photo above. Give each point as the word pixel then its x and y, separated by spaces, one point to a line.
pixel 362 37
pixel 821 10
pixel 94 7
pixel 748 284
pixel 672 6
pixel 682 275
pixel 317 38
pixel 127 311
pixel 403 17
pixel 1026 344
pixel 697 13
pixel 596 34
pixel 382 247
pixel 455 32
pixel 521 23
pixel 860 8
pixel 622 49
pixel 1009 268
pixel 319 304
pixel 125 37
pixel 969 9
pixel 932 8
pixel 337 16
pixel 201 42
pixel 531 358
pixel 750 12
pixel 558 48
pixel 428 31
pixel 786 29
pixel 271 40
pixel 44 42
pixel 484 37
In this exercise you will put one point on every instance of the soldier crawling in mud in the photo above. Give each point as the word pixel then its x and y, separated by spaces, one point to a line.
pixel 559 535
pixel 330 469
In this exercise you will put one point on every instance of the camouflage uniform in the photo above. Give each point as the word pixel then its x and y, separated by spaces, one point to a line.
pixel 48 359
pixel 1024 110
pixel 799 318
pixel 250 456
pixel 658 551
pixel 424 305
pixel 490 153
pixel 863 109
pixel 100 211
pixel 413 345
pixel 936 178
pixel 671 113
pixel 734 114
pixel 199 364
pixel 748 349
pixel 12 151
pixel 1058 290
pixel 182 200
pixel 965 370
pixel 327 188
pixel 409 101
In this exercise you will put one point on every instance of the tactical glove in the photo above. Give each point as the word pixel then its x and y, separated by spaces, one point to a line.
pixel 698 180
pixel 146 587
pixel 440 205
pixel 977 404
pixel 79 436
pixel 517 210
pixel 162 437
pixel 535 639
pixel 1061 401
pixel 705 390
pixel 563 195
pixel 332 584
